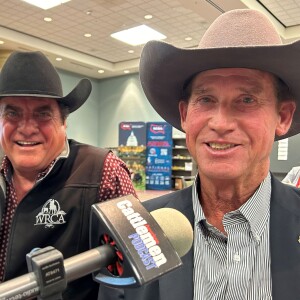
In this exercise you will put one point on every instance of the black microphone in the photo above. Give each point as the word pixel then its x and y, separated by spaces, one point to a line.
pixel 145 246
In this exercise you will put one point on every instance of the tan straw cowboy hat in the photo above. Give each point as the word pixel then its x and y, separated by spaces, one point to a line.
pixel 32 74
pixel 241 38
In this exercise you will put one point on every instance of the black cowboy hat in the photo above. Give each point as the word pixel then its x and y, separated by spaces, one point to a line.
pixel 32 74
pixel 241 38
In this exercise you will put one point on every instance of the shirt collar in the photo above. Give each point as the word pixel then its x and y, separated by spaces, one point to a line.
pixel 256 209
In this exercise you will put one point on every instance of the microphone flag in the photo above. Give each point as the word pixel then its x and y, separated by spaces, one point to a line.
pixel 144 252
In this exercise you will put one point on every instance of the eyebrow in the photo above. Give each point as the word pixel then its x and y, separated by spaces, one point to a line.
pixel 201 89
pixel 17 108
pixel 44 107
pixel 12 107
pixel 251 87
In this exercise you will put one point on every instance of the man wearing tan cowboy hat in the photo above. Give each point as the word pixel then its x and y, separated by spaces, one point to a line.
pixel 48 183
pixel 232 96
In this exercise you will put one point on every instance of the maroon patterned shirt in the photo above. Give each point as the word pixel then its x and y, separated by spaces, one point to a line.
pixel 115 182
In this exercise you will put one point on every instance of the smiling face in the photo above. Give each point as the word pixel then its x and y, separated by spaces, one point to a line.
pixel 32 132
pixel 230 120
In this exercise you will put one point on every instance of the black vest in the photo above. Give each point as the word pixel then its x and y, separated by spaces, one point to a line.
pixel 56 213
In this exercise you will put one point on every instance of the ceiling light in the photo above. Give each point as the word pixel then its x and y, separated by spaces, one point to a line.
pixel 47 19
pixel 58 58
pixel 148 17
pixel 126 71
pixel 138 35
pixel 46 4
pixel 188 38
pixel 130 51
pixel 87 35
pixel 101 71
pixel 1 42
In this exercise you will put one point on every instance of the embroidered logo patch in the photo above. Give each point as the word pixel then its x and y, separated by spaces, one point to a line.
pixel 50 215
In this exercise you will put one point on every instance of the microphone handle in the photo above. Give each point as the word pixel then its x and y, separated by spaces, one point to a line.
pixel 26 286
pixel 89 261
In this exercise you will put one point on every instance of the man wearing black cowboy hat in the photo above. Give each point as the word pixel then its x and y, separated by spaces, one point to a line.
pixel 48 183
pixel 232 96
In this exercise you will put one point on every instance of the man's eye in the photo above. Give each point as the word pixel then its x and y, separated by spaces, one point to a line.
pixel 12 115
pixel 205 100
pixel 248 100
pixel 43 115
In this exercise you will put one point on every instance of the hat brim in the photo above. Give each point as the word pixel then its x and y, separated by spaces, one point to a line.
pixel 78 95
pixel 73 100
pixel 164 69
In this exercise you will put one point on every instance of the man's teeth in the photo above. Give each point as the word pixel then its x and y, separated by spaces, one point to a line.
pixel 220 146
pixel 27 143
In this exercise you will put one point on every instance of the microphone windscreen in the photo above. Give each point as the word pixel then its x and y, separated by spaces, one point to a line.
pixel 176 227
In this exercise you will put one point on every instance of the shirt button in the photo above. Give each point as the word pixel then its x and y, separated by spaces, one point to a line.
pixel 236 257
pixel 257 237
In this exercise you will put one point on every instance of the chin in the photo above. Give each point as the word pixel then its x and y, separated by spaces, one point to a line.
pixel 221 174
pixel 28 165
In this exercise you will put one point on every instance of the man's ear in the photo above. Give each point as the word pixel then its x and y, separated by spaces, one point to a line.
pixel 286 113
pixel 183 106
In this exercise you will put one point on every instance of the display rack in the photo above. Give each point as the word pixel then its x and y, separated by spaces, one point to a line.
pixel 183 166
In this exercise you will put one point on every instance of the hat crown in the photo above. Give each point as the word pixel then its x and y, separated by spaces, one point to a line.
pixel 29 73
pixel 238 28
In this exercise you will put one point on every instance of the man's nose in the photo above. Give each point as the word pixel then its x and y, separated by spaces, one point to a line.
pixel 222 120
pixel 28 124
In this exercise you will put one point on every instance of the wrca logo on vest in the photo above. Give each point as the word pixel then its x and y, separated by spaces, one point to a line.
pixel 50 215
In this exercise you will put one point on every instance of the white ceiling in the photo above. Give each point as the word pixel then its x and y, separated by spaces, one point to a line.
pixel 22 27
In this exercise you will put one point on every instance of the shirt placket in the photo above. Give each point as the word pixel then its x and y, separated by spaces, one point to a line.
pixel 240 258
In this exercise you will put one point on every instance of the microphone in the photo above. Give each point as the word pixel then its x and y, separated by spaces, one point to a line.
pixel 145 246
pixel 176 227
pixel 143 250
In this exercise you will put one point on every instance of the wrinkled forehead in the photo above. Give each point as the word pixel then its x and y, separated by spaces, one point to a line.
pixel 28 102
pixel 238 74
pixel 252 77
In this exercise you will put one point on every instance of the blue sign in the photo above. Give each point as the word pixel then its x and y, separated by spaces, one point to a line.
pixel 159 156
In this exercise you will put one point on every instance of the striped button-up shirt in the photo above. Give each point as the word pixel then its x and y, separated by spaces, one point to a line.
pixel 236 266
